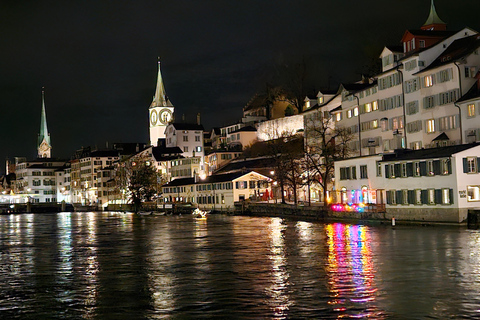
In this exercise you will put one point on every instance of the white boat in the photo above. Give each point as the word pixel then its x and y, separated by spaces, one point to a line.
pixel 200 214
pixel 144 213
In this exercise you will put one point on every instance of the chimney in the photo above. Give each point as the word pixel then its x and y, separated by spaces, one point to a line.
pixel 198 118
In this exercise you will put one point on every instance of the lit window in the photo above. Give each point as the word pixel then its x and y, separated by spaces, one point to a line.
pixel 375 105
pixel 473 193
pixel 368 107
pixel 446 196
pixel 472 165
pixel 430 125
pixel 338 116
pixel 349 114
pixel 431 196
pixel 416 169
pixel 418 196
pixel 428 81
pixel 471 110
pixel 355 111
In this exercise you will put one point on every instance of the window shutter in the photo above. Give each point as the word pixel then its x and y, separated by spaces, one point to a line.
pixel 424 196
pixel 389 197
pixel 451 196
pixel 438 196
pixel 354 172
pixel 478 165
pixel 465 165
pixel 399 196
pixel 423 168
pixel 436 167
pixel 397 170
pixel 387 172
pixel 409 169
pixel 411 196
pixel 449 166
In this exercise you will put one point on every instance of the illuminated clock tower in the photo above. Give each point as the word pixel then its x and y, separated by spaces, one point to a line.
pixel 160 112
pixel 43 145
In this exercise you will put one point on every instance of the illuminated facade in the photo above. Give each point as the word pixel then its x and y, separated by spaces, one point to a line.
pixel 217 192
pixel 435 184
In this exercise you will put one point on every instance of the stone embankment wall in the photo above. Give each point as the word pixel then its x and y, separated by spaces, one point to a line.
pixel 303 212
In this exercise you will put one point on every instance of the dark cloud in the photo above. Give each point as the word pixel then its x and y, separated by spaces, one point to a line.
pixel 97 59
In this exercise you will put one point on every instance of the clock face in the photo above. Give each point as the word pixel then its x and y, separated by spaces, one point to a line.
pixel 153 117
pixel 165 115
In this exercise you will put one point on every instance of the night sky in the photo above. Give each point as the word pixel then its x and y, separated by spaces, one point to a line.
pixel 98 59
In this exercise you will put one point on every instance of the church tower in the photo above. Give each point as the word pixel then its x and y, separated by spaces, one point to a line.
pixel 160 111
pixel 43 145
pixel 434 22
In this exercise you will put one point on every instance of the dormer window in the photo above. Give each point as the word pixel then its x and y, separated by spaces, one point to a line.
pixel 307 104
pixel 320 100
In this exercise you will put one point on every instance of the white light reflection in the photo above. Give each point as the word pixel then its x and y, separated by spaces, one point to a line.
pixel 91 267
pixel 64 224
pixel 161 261
pixel 278 290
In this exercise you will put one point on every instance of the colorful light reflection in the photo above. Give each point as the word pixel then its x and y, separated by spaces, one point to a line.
pixel 351 272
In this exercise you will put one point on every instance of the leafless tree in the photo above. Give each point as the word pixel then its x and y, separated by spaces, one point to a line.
pixel 325 143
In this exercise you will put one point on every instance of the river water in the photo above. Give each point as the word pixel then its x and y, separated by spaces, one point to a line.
pixel 122 266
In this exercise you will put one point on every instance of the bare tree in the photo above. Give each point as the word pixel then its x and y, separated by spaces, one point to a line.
pixel 324 144
pixel 137 180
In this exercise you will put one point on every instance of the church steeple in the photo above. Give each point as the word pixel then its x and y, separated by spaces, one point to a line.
pixel 43 145
pixel 160 111
pixel 160 99
pixel 433 21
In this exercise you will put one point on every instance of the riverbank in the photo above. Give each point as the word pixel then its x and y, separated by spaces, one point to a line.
pixel 320 213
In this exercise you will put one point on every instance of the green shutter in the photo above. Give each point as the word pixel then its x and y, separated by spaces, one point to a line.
pixel 387 172
pixel 438 196
pixel 465 165
pixel 409 169
pixel 436 167
pixel 411 196
pixel 423 168
pixel 424 197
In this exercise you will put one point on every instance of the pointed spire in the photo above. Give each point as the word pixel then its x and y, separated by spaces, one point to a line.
pixel 433 19
pixel 160 99
pixel 43 136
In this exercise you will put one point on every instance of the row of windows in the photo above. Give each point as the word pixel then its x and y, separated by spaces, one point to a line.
pixel 211 199
pixel 44 173
pixel 420 196
pixel 389 81
pixel 348 173
pixel 418 168
pixel 185 138
pixel 441 99
pixel 46 182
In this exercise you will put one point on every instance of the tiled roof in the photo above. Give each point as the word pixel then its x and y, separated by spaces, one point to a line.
pixel 473 93
pixel 248 164
pixel 245 129
pixel 187 126
pixel 431 153
pixel 456 50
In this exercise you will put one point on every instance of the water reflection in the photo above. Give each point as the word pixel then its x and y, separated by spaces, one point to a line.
pixel 351 272
pixel 120 266
pixel 278 289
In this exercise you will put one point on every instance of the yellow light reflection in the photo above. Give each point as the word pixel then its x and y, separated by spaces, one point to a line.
pixel 278 290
